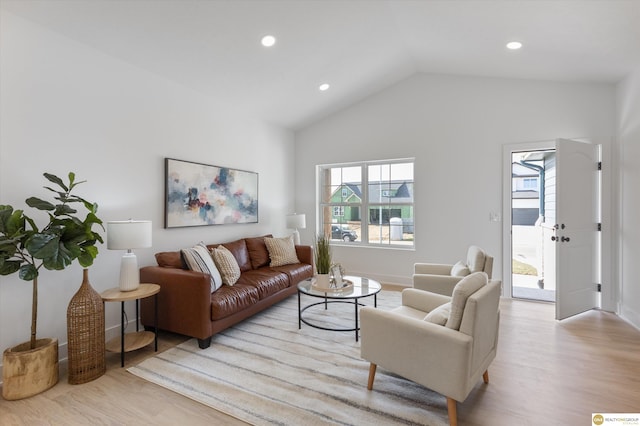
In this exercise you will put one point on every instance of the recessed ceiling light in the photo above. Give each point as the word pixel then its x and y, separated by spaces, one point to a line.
pixel 514 45
pixel 268 41
pixel 324 87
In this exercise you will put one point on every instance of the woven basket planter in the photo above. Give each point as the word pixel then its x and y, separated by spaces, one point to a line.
pixel 85 333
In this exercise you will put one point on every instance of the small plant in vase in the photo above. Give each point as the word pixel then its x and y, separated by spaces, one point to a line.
pixel 322 256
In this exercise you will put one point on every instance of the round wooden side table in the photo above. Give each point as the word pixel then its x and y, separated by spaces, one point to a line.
pixel 131 341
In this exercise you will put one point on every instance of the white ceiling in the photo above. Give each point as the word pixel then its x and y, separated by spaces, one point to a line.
pixel 359 47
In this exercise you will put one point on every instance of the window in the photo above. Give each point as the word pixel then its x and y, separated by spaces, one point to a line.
pixel 530 183
pixel 368 202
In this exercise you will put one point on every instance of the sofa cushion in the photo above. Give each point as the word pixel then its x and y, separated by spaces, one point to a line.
pixel 282 251
pixel 227 264
pixel 461 292
pixel 439 315
pixel 297 272
pixel 475 259
pixel 460 269
pixel 258 253
pixel 198 259
pixel 170 259
pixel 232 299
pixel 266 281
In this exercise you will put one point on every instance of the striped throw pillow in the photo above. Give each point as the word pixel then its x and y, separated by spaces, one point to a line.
pixel 198 259
pixel 282 251
pixel 227 264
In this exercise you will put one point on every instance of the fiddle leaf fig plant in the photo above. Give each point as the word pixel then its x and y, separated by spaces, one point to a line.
pixel 25 248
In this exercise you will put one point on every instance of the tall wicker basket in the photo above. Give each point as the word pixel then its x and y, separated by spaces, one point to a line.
pixel 85 333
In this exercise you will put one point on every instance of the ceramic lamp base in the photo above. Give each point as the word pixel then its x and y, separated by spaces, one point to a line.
pixel 129 272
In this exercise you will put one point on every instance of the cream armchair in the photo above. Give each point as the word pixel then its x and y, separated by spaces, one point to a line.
pixel 442 278
pixel 443 343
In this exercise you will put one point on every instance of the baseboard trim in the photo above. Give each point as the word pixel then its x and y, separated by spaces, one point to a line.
pixel 630 316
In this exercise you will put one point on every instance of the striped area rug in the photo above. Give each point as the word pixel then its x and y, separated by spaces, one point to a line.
pixel 266 371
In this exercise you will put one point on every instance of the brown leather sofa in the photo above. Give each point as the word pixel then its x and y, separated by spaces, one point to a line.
pixel 187 306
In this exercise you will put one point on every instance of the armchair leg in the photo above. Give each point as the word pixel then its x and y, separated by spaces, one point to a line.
pixel 453 411
pixel 485 376
pixel 372 375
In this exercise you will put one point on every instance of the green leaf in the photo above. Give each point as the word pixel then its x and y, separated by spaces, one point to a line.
pixel 55 179
pixel 92 207
pixel 63 209
pixel 43 246
pixel 91 219
pixel 73 249
pixel 12 224
pixel 9 267
pixel 31 223
pixel 5 214
pixel 28 272
pixel 39 204
pixel 61 260
pixel 91 250
pixel 72 183
pixel 9 246
pixel 86 259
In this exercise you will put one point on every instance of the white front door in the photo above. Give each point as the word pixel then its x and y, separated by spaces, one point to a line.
pixel 576 230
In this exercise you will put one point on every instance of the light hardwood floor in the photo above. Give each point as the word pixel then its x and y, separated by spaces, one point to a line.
pixel 546 372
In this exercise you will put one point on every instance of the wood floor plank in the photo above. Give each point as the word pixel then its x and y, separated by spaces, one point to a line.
pixel 546 372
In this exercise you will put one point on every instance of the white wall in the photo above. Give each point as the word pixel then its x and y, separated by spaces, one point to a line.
pixel 66 107
pixel 455 128
pixel 628 115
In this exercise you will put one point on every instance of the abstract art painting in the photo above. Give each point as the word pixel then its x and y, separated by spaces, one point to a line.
pixel 200 194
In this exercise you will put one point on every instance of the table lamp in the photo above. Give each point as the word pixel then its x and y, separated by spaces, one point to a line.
pixel 296 221
pixel 127 235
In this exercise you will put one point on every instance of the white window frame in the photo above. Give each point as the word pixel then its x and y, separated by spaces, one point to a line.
pixel 364 205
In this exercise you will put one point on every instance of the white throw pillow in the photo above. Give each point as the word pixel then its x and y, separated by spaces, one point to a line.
pixel 475 259
pixel 439 315
pixel 460 269
pixel 282 251
pixel 198 259
pixel 461 292
pixel 227 264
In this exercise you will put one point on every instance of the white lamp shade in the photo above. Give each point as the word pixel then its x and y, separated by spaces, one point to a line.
pixel 296 221
pixel 128 234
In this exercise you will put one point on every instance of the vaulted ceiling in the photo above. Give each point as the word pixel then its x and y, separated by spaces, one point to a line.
pixel 358 47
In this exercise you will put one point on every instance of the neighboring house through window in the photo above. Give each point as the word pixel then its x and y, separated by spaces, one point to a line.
pixel 369 202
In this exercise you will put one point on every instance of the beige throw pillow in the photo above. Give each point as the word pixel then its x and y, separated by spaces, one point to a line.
pixel 198 259
pixel 460 269
pixel 227 265
pixel 439 315
pixel 461 292
pixel 282 251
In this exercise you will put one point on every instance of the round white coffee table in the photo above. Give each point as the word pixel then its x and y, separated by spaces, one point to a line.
pixel 362 287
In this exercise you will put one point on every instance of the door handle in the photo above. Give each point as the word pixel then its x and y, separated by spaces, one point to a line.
pixel 554 238
pixel 564 239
